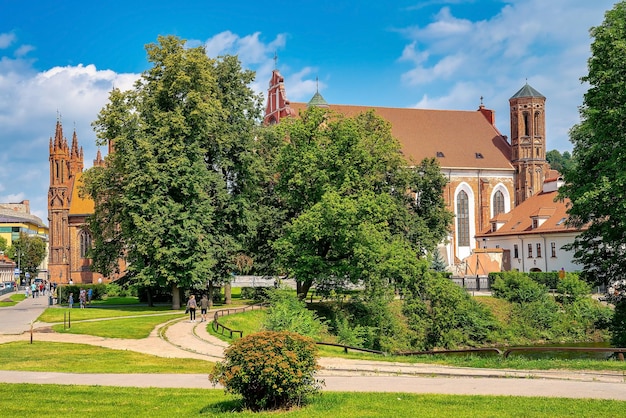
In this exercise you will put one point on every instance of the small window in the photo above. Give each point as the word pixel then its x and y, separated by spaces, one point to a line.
pixel 535 224
pixel 530 251
pixel 538 250
pixel 440 154
pixel 553 249
pixel 479 155
pixel 515 251
pixel 561 221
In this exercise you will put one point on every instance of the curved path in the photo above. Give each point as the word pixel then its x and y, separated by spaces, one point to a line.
pixel 181 339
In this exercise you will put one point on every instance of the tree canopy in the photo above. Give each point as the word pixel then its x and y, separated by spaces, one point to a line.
pixel 596 185
pixel 170 199
pixel 357 211
pixel 32 251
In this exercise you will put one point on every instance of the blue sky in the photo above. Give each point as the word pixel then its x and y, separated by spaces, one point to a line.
pixel 65 56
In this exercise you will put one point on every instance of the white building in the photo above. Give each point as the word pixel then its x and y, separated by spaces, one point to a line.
pixel 532 235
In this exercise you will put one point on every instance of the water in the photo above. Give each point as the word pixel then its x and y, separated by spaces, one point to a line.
pixel 556 354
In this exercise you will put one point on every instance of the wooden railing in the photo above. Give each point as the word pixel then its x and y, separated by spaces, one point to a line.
pixel 347 347
pixel 217 327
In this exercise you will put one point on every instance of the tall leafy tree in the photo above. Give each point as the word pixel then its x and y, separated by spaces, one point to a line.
pixel 171 195
pixel 357 210
pixel 32 251
pixel 596 185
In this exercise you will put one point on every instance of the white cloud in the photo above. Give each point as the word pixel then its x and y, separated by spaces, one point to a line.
pixel 28 114
pixel 546 43
pixel 6 39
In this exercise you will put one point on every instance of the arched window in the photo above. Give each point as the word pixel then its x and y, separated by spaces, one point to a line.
pixel 536 125
pixel 526 124
pixel 462 213
pixel 498 203
pixel 85 243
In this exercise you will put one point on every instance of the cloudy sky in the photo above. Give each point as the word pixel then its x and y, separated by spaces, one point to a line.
pixel 60 59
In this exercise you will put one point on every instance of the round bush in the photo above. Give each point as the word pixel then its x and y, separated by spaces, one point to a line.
pixel 269 369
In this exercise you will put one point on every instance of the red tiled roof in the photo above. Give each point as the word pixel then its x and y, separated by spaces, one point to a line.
pixel 466 139
pixel 543 205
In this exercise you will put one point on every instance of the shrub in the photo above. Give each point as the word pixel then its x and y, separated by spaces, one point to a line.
pixel 288 313
pixel 269 370
pixel 571 288
pixel 455 318
pixel 517 287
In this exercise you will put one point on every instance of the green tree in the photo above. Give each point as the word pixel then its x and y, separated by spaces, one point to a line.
pixel 596 185
pixel 171 196
pixel 355 206
pixel 32 251
pixel 560 162
pixel 3 244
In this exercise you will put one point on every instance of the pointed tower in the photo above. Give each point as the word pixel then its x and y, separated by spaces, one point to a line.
pixel 528 142
pixel 59 204
pixel 277 102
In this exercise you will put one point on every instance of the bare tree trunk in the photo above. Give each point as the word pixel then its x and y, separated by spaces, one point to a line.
pixel 175 297
pixel 227 294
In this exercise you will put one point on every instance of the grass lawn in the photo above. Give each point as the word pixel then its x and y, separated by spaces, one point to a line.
pixel 132 328
pixel 43 356
pixel 59 314
pixel 12 300
pixel 80 401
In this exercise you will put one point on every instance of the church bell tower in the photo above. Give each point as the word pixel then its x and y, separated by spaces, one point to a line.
pixel 528 142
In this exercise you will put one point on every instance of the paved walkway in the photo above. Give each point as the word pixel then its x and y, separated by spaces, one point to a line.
pixel 182 339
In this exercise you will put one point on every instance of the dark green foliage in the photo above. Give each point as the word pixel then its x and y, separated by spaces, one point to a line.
pixel 455 318
pixel 173 197
pixel 517 287
pixel 269 370
pixel 618 325
pixel 560 162
pixel 343 184
pixel 596 185
pixel 288 313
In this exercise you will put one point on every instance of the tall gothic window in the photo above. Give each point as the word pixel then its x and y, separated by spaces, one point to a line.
pixel 498 203
pixel 85 243
pixel 526 124
pixel 462 214
pixel 536 124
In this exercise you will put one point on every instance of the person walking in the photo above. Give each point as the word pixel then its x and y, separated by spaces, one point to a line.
pixel 82 298
pixel 89 295
pixel 204 306
pixel 191 307
pixel 70 300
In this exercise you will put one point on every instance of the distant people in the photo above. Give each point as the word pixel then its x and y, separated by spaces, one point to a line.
pixel 89 295
pixel 82 298
pixel 191 307
pixel 204 306
pixel 33 289
pixel 70 300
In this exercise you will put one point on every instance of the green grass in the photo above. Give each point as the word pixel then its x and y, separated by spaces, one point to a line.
pixel 59 314
pixel 81 401
pixel 116 300
pixel 248 322
pixel 44 356
pixel 12 300
pixel 131 328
